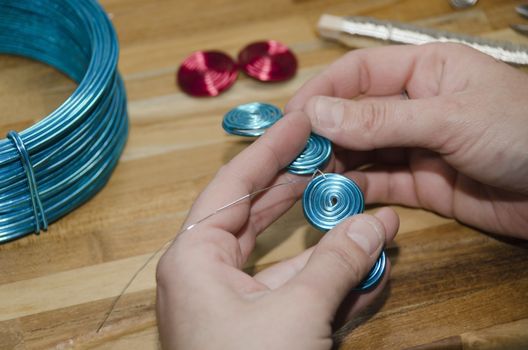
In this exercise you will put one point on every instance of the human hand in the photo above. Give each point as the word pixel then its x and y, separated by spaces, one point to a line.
pixel 204 300
pixel 458 146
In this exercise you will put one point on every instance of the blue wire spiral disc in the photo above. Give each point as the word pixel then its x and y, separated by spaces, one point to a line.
pixel 315 156
pixel 251 119
pixel 375 274
pixel 329 199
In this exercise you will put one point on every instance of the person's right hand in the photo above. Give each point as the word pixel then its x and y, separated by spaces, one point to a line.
pixel 458 146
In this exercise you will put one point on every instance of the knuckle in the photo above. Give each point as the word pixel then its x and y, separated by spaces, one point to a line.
pixel 275 158
pixel 369 118
pixel 173 263
pixel 222 246
pixel 164 271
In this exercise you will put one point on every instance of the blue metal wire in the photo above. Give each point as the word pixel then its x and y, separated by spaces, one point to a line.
pixel 315 155
pixel 329 199
pixel 70 153
pixel 375 274
pixel 251 119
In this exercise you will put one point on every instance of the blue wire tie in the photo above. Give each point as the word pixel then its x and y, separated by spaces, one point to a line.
pixel 32 183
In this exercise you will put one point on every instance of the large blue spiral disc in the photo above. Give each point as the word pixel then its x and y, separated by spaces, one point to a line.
pixel 329 199
pixel 251 119
pixel 315 156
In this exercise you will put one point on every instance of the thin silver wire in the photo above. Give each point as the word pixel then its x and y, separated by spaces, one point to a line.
pixel 190 227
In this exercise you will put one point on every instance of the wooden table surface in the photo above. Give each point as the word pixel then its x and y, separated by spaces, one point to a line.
pixel 451 287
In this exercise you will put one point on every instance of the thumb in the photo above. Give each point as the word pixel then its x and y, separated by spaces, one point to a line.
pixel 341 260
pixel 381 123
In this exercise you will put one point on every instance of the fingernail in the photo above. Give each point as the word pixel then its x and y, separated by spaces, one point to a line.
pixel 367 233
pixel 328 113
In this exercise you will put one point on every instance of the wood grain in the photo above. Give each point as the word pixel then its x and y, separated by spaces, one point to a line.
pixel 452 287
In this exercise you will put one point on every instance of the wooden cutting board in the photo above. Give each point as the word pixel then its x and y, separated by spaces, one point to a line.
pixel 452 287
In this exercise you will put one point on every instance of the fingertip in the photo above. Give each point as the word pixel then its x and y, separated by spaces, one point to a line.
pixel 298 123
pixel 299 118
pixel 366 231
pixel 390 220
pixel 294 104
pixel 309 106
pixel 319 108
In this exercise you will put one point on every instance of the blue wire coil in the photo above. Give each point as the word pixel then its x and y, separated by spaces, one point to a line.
pixel 57 164
pixel 315 155
pixel 329 199
pixel 251 119
pixel 375 275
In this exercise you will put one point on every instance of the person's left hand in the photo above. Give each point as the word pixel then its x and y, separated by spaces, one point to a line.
pixel 204 300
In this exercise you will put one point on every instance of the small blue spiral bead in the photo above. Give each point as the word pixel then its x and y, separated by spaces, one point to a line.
pixel 315 156
pixel 329 199
pixel 375 274
pixel 251 119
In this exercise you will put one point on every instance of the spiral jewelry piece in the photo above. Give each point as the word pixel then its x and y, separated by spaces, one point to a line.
pixel 268 61
pixel 315 156
pixel 251 119
pixel 207 73
pixel 329 199
pixel 60 162
pixel 376 273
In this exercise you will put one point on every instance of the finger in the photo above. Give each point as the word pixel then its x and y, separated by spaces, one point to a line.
pixel 339 262
pixel 361 72
pixel 420 70
pixel 271 204
pixel 433 185
pixel 277 275
pixel 367 125
pixel 252 169
pixel 367 98
pixel 268 207
pixel 347 160
pixel 427 183
pixel 282 272
pixel 212 238
pixel 356 301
